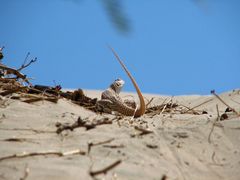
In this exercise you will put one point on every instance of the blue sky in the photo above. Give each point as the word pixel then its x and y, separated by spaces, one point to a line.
pixel 173 47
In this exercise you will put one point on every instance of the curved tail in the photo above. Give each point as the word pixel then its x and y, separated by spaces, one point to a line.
pixel 141 110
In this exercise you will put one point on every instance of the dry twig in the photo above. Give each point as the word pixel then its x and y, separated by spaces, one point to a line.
pixel 91 144
pixel 34 98
pixel 15 72
pixel 27 129
pixel 105 170
pixel 26 65
pixel 43 153
pixel 149 102
pixel 190 109
pixel 82 123
pixel 217 96
pixel 15 139
pixel 217 119
pixel 114 146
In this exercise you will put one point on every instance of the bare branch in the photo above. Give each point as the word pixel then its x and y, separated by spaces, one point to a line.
pixel 90 145
pixel 190 109
pixel 15 72
pixel 106 169
pixel 217 119
pixel 217 96
pixel 44 153
pixel 26 65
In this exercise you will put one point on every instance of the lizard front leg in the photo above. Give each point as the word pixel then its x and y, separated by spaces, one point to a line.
pixel 130 103
pixel 104 105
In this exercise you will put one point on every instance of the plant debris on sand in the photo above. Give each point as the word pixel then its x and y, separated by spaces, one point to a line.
pixel 177 138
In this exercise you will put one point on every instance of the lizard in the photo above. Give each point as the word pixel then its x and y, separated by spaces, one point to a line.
pixel 111 101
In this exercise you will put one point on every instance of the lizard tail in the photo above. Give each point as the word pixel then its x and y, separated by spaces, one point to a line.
pixel 141 110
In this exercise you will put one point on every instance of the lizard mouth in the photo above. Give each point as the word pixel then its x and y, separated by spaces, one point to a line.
pixel 119 82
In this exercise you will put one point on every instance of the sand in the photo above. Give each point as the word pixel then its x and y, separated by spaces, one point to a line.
pixel 181 146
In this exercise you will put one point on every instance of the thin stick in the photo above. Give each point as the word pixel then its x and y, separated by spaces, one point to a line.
pixel 44 153
pixel 26 65
pixel 188 109
pixel 217 119
pixel 106 169
pixel 27 129
pixel 165 106
pixel 15 139
pixel 82 123
pixel 114 146
pixel 218 114
pixel 25 60
pixel 235 101
pixel 217 96
pixel 163 121
pixel 102 142
pixel 198 105
pixel 44 93
pixel 149 102
pixel 134 112
pixel 90 145
pixel 34 99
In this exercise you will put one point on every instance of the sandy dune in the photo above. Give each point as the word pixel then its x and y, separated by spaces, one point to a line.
pixel 181 146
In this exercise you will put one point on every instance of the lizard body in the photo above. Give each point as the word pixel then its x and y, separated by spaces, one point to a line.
pixel 111 100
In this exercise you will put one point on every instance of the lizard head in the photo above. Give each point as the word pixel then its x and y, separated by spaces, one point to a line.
pixel 117 85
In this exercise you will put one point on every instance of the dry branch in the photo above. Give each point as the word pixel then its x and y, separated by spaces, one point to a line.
pixel 11 85
pixel 15 72
pixel 217 96
pixel 26 65
pixel 169 106
pixel 27 129
pixel 82 123
pixel 114 146
pixel 190 109
pixel 32 98
pixel 213 125
pixel 44 153
pixel 91 144
pixel 35 93
pixel 105 170
pixel 15 139
pixel 149 102
pixel 11 91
